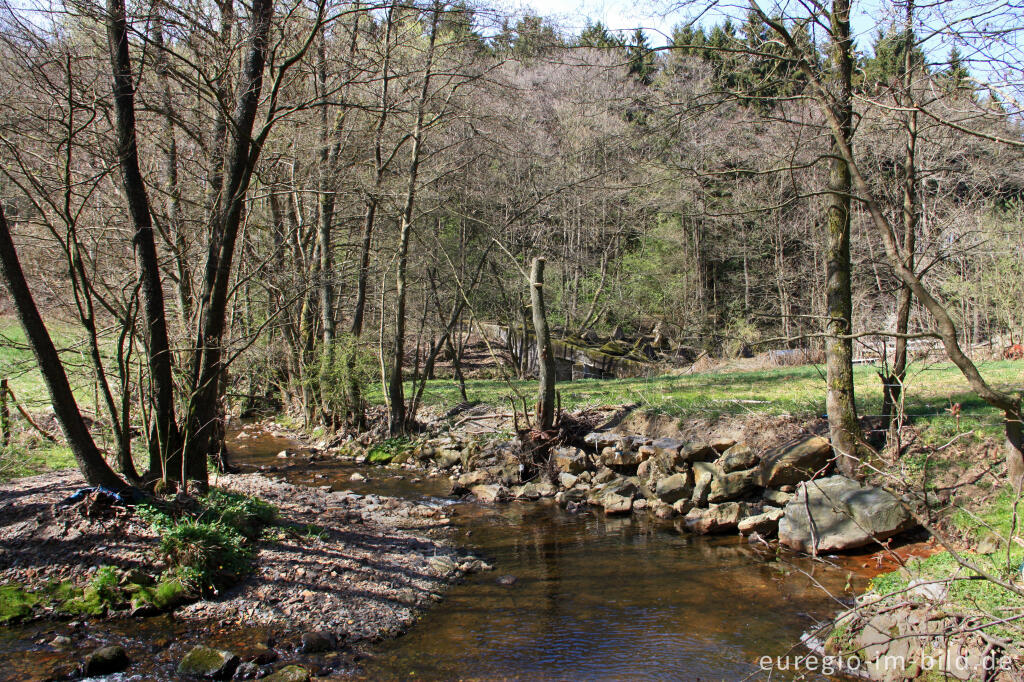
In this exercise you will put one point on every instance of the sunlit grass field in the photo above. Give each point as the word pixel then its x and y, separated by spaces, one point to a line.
pixel 932 388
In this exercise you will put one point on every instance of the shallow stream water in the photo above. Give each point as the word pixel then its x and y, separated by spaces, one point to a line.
pixel 594 597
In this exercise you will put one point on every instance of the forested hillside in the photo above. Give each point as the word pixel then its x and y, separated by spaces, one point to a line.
pixel 340 195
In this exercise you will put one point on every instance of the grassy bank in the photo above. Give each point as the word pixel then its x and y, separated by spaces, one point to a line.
pixel 932 389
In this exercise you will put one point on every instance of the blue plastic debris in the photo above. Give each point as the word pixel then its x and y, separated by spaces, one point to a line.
pixel 105 494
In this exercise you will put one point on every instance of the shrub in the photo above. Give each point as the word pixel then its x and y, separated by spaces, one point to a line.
pixel 214 553
pixel 340 374
pixel 247 515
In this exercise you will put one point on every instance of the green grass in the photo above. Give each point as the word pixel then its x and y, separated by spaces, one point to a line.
pixel 17 461
pixel 931 389
pixel 18 365
pixel 968 592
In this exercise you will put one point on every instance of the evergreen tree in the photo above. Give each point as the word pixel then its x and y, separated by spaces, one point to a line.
pixel 641 58
pixel 957 74
pixel 598 35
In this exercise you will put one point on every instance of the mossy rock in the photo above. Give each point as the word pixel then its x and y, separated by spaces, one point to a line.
pixel 208 663
pixel 290 673
pixel 165 596
pixel 614 348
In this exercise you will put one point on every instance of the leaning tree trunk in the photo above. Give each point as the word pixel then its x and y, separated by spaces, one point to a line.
pixel 88 457
pixel 1009 405
pixel 844 429
pixel 545 411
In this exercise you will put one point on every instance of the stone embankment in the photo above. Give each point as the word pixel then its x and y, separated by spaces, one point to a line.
pixel 715 486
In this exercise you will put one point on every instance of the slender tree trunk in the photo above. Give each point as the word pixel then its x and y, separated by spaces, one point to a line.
pixel 5 415
pixel 175 229
pixel 225 223
pixel 892 395
pixel 839 400
pixel 164 440
pixel 396 390
pixel 88 457
pixel 545 412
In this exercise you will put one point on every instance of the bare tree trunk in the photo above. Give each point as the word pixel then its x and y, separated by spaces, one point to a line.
pixel 839 400
pixel 88 457
pixel 164 440
pixel 175 232
pixel 396 391
pixel 225 222
pixel 545 412
pixel 893 389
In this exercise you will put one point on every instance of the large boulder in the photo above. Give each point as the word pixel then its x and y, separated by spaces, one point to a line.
pixel 738 458
pixel 836 513
pixel 674 487
pixel 717 518
pixel 794 462
pixel 569 460
pixel 727 487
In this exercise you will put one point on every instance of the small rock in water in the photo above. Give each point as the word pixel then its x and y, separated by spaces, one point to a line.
pixel 357 477
pixel 105 661
pixel 247 671
pixel 284 454
pixel 507 580
pixel 290 673
pixel 314 642
pixel 208 663
pixel 61 642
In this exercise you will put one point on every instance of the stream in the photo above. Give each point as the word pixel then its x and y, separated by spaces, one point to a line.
pixel 594 597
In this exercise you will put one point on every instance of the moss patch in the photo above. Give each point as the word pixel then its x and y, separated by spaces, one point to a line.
pixel 16 603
